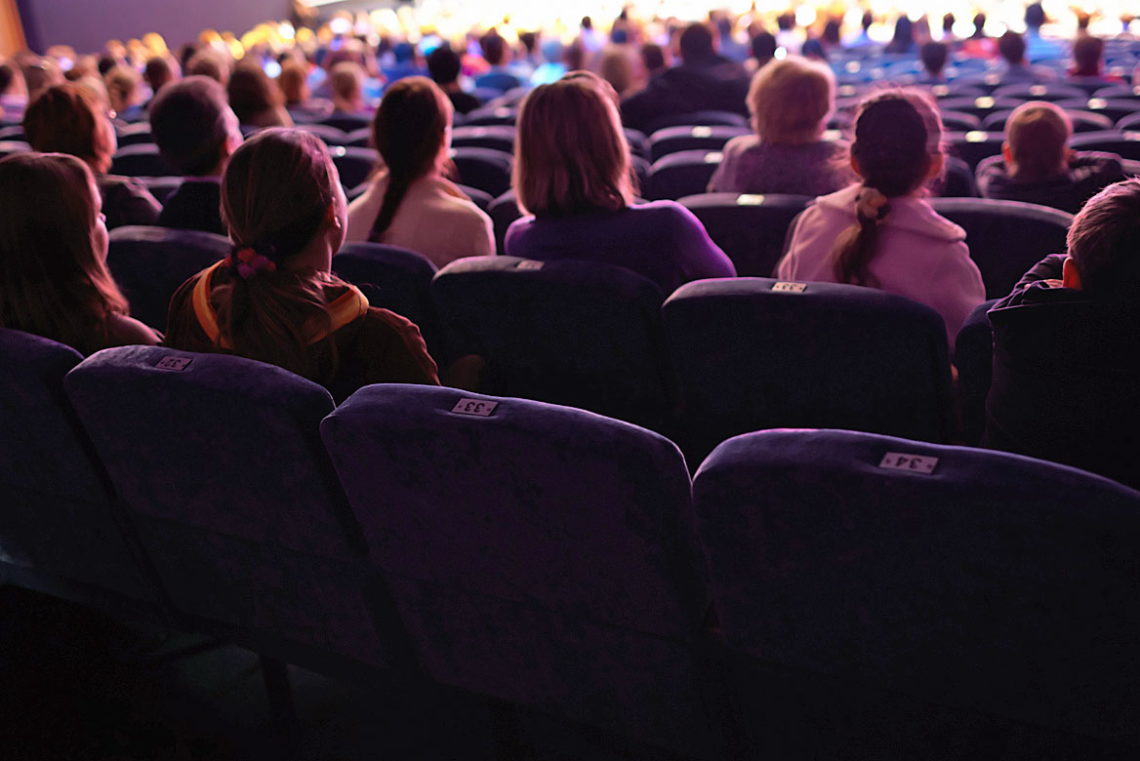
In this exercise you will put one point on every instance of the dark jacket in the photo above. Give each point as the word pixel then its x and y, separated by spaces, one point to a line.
pixel 719 85
pixel 195 205
pixel 1066 377
pixel 1088 173
pixel 127 202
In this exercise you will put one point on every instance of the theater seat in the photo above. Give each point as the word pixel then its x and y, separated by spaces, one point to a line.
pixel 1006 238
pixel 141 160
pixel 1051 91
pixel 750 228
pixel 503 211
pixel 697 118
pixel 346 122
pixel 974 146
pixel 537 554
pixel 354 165
pixel 59 530
pixel 756 353
pixel 890 599
pixel 483 168
pixel 583 334
pixel 973 356
pixel 681 174
pixel 1125 144
pixel 692 138
pixel 134 133
pixel 392 278
pixel 497 137
pixel 330 135
pixel 219 465
pixel 150 263
pixel 957 180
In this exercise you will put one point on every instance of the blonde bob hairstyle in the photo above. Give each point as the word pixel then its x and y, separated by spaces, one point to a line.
pixel 572 156
pixel 790 100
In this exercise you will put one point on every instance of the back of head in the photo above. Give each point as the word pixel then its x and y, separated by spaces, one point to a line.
pixel 347 81
pixel 979 26
pixel 652 57
pixel 279 194
pixel 7 77
pixel 1034 16
pixel 571 155
pixel 764 47
pixel 898 134
pixel 444 65
pixel 904 32
pixel 158 73
pixel 616 67
pixel 1103 243
pixel 933 56
pixel 696 44
pixel 410 131
pixel 1011 45
pixel 786 22
pixel 189 121
pixel 293 82
pixel 1038 136
pixel 64 119
pixel 53 281
pixel 948 23
pixel 251 93
pixel 209 63
pixel 790 100
pixel 1087 53
pixel 831 32
pixel 122 86
pixel 494 48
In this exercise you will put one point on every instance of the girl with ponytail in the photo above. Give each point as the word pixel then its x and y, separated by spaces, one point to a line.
pixel 880 232
pixel 408 202
pixel 274 298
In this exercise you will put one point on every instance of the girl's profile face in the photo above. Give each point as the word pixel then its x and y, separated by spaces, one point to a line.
pixel 100 238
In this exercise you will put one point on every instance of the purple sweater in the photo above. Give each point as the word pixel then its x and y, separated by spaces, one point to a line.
pixel 661 241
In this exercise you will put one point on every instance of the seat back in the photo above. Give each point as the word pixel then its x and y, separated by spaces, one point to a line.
pixel 756 353
pixel 697 118
pixel 1006 238
pixel 392 278
pixel 483 168
pixel 503 211
pixel 1125 144
pixel 680 174
pixel 536 553
pixel 973 356
pixel 751 229
pixel 346 122
pixel 578 333
pixel 692 138
pixel 499 137
pixel 59 532
pixel 330 135
pixel 1040 91
pixel 970 585
pixel 141 160
pixel 353 164
pixel 219 464
pixel 975 145
pixel 957 180
pixel 150 263
pixel 1115 109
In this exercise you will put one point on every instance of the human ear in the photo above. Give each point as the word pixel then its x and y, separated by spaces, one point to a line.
pixel 1070 275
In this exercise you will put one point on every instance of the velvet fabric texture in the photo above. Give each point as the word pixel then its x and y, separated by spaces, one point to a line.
pixel 583 334
pixel 58 520
pixel 1005 238
pixel 996 584
pixel 973 356
pixel 751 229
pixel 483 168
pixel 149 263
pixel 541 554
pixel 219 463
pixel 750 356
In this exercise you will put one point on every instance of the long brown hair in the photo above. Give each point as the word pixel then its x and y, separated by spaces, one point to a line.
pixel 410 132
pixel 277 192
pixel 65 119
pixel 572 156
pixel 898 134
pixel 53 280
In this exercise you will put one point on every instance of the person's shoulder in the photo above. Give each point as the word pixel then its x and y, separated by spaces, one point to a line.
pixel 123 331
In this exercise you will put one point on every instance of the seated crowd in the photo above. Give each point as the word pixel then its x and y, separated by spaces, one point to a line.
pixel 1064 339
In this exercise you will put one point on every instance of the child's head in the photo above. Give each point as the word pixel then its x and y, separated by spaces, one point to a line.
pixel 122 84
pixel 53 245
pixel 933 56
pixel 293 82
pixel 160 70
pixel 444 65
pixel 1011 45
pixel 347 82
pixel 1104 244
pixel 411 130
pixel 194 127
pixel 66 119
pixel 252 94
pixel 1036 141
pixel 790 100
pixel 1087 54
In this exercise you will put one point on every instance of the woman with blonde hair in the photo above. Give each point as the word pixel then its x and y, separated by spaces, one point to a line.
pixel 409 202
pixel 572 174
pixel 53 246
pixel 274 298
pixel 880 232
pixel 790 101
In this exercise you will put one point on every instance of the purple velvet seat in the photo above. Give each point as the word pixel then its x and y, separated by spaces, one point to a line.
pixel 503 211
pixel 483 168
pixel 692 138
pixel 353 164
pixel 681 174
pixel 60 532
pixel 755 353
pixel 751 229
pixel 330 135
pixel 570 332
pixel 974 146
pixel 141 160
pixel 150 263
pixel 537 554
pixel 889 599
pixel 973 356
pixel 219 464
pixel 496 137
pixel 1125 144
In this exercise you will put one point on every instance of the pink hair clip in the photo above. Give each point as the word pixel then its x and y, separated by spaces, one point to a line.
pixel 248 262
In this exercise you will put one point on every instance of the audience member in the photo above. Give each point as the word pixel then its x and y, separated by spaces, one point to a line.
pixel 763 49
pixel 572 173
pixel 445 66
pixel 347 82
pixel 255 100
pixel 160 70
pixel 704 81
pixel 409 203
pixel 53 247
pixel 652 59
pixel 1011 46
pixel 293 81
pixel 1088 58
pixel 13 94
pixel 123 91
pixel 65 119
pixel 903 39
pixel 407 63
pixel 196 131
pixel 933 56
pixel 209 63
pixel 616 67
pixel 879 232
pixel 790 101
pixel 274 298
pixel 497 53
pixel 1037 166
pixel 40 74
pixel 1066 370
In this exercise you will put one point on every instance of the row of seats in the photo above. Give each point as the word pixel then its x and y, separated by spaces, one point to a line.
pixel 559 560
